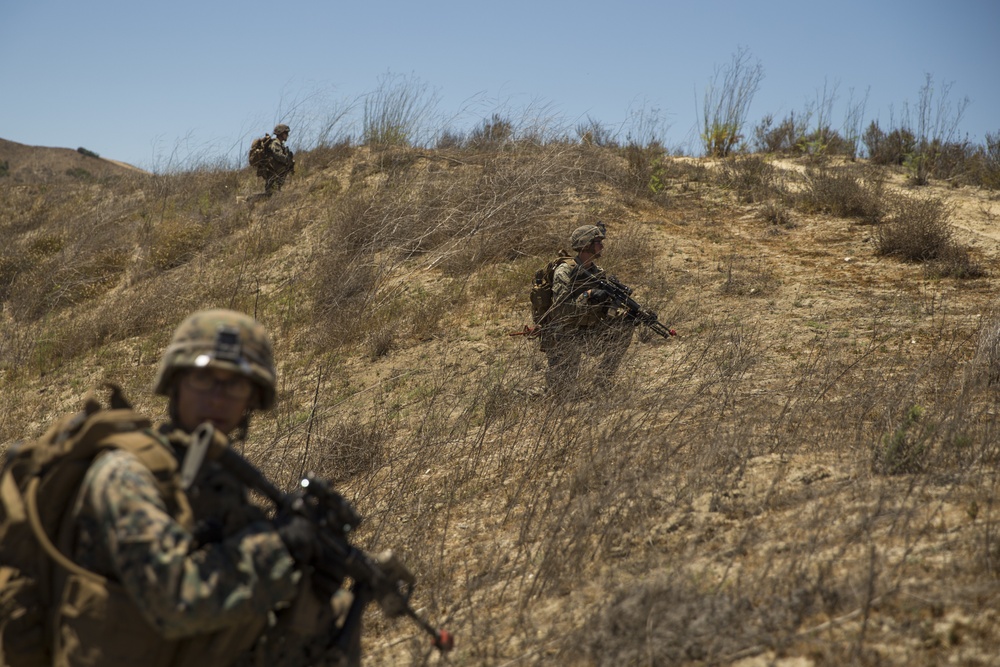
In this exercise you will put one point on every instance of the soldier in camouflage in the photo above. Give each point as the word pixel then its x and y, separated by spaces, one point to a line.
pixel 280 162
pixel 185 586
pixel 584 320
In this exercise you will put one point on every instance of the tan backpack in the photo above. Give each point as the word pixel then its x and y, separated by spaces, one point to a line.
pixel 40 480
pixel 541 289
pixel 259 150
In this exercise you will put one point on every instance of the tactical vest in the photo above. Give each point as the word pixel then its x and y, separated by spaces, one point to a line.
pixel 54 612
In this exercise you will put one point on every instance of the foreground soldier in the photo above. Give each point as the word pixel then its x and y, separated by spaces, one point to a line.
pixel 192 574
pixel 584 318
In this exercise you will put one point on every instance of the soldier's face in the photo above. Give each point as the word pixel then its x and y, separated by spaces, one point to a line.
pixel 592 251
pixel 213 395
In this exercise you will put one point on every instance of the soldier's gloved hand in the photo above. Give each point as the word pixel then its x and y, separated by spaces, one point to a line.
pixel 599 297
pixel 209 531
pixel 299 535
pixel 326 583
pixel 394 598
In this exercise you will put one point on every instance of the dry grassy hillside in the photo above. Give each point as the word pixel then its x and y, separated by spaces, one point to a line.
pixel 805 475
pixel 40 165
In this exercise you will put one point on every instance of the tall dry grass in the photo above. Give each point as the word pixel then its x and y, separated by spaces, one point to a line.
pixel 758 486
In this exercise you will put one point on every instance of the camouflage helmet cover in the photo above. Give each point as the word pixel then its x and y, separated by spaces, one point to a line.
pixel 220 339
pixel 281 128
pixel 583 236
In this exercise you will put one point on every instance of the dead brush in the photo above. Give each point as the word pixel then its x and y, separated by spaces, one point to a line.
pixel 174 242
pixel 629 246
pixel 766 597
pixel 955 261
pixel 752 178
pixel 986 363
pixel 348 450
pixel 845 193
pixel 917 230
pixel 92 256
pixel 747 276
pixel 645 174
pixel 777 214
pixel 379 341
pixel 344 290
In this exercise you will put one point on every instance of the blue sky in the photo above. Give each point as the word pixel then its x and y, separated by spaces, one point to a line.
pixel 169 84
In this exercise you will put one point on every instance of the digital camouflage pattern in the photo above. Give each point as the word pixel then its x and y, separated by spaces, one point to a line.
pixel 222 339
pixel 571 305
pixel 584 235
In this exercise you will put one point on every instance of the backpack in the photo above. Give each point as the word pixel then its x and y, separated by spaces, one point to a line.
pixel 541 289
pixel 39 482
pixel 259 150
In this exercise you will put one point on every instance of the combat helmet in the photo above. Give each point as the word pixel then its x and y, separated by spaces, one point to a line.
pixel 220 339
pixel 583 236
pixel 281 128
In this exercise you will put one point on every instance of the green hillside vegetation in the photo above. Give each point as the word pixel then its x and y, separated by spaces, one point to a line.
pixel 807 470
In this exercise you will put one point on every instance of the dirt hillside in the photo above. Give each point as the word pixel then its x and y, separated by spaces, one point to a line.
pixel 38 164
pixel 804 475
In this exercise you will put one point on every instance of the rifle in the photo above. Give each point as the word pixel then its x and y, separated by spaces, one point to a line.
pixel 383 579
pixel 621 295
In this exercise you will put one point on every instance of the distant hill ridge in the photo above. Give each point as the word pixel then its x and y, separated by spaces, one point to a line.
pixel 20 163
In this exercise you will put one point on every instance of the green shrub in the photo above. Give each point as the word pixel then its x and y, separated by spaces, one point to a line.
pixel 824 141
pixel 888 149
pixel 83 151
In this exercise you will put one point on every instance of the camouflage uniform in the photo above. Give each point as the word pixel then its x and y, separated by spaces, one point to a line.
pixel 215 580
pixel 191 578
pixel 280 162
pixel 577 327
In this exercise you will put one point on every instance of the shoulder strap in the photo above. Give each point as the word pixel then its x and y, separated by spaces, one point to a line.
pixel 35 521
pixel 62 466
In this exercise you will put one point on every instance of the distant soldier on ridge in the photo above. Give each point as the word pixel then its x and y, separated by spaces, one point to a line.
pixel 273 159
